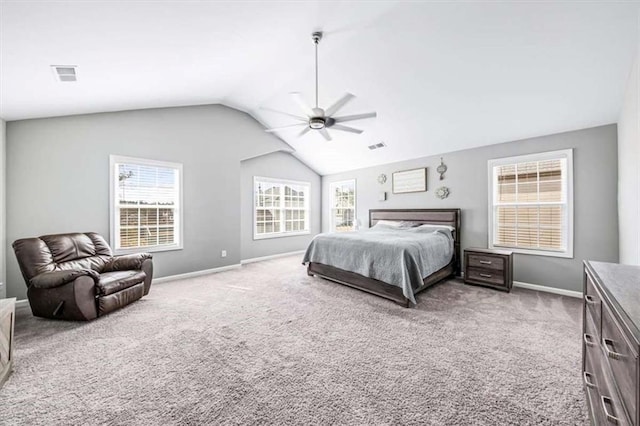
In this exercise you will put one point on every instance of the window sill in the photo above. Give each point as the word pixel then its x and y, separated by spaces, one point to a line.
pixel 280 235
pixel 153 249
pixel 564 254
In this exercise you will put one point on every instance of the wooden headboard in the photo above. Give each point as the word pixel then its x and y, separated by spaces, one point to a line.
pixel 449 217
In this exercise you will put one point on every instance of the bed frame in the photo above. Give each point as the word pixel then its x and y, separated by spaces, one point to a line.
pixel 449 217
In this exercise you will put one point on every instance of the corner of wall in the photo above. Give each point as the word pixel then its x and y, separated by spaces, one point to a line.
pixel 3 210
pixel 629 167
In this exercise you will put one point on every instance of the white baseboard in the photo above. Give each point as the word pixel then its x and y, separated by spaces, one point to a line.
pixel 273 256
pixel 22 302
pixel 544 288
pixel 195 274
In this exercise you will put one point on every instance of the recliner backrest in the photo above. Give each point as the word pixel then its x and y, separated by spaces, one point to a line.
pixel 61 252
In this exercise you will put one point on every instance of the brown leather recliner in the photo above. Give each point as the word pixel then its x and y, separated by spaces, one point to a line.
pixel 76 277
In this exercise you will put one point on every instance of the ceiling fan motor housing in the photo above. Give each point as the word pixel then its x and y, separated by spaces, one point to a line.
pixel 317 123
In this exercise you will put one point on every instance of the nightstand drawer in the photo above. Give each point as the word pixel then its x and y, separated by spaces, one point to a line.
pixel 485 276
pixel 486 262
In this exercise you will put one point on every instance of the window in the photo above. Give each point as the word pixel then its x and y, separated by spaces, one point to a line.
pixel 281 208
pixel 146 202
pixel 343 205
pixel 531 203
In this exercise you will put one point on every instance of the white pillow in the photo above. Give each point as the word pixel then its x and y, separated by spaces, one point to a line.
pixel 389 223
pixel 434 227
pixel 398 224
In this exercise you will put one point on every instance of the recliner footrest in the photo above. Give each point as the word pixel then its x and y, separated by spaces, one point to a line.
pixel 122 298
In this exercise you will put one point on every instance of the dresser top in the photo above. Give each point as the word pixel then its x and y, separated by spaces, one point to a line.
pixel 622 283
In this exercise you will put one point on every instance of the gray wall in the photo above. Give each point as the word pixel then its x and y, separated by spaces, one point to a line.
pixel 58 172
pixel 629 171
pixel 284 166
pixel 3 239
pixel 595 198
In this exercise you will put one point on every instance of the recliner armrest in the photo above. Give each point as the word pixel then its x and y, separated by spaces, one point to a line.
pixel 59 278
pixel 127 262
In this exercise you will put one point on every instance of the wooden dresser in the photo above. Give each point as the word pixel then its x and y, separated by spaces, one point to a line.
pixel 488 267
pixel 7 317
pixel 611 342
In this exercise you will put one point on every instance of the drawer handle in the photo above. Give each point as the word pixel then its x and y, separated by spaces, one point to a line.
pixel 485 262
pixel 588 380
pixel 589 299
pixel 588 339
pixel 485 275
pixel 611 354
pixel 606 401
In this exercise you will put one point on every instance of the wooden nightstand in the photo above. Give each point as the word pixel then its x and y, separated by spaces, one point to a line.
pixel 491 268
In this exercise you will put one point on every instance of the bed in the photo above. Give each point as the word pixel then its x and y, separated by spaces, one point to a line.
pixel 372 246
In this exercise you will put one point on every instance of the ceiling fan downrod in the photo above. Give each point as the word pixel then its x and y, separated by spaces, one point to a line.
pixel 316 37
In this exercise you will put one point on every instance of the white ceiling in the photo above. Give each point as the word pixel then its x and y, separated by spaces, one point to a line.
pixel 442 76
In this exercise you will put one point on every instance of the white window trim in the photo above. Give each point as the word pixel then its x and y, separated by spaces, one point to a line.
pixel 355 203
pixel 282 234
pixel 113 190
pixel 566 153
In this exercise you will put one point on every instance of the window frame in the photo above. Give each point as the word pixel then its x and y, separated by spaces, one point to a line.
pixel 113 191
pixel 282 208
pixel 567 187
pixel 332 185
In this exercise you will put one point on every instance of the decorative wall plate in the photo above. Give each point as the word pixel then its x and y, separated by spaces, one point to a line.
pixel 442 192
pixel 382 178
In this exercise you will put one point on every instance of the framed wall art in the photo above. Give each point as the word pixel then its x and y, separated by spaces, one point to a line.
pixel 414 180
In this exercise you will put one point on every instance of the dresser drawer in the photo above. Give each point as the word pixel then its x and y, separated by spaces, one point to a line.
pixel 486 276
pixel 609 407
pixel 623 361
pixel 604 402
pixel 593 303
pixel 594 380
pixel 486 262
pixel 590 337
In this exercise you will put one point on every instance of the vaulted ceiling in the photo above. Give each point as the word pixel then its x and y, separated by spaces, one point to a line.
pixel 442 76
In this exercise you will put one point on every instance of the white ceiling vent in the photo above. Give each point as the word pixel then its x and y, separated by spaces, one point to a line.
pixel 377 146
pixel 65 73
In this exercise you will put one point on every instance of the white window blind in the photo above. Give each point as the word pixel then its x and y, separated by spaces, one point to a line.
pixel 343 205
pixel 146 202
pixel 532 203
pixel 281 207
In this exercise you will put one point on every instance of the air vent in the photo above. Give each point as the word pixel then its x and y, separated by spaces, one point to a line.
pixel 377 146
pixel 65 73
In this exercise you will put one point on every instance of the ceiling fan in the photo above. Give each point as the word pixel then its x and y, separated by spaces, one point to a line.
pixel 317 118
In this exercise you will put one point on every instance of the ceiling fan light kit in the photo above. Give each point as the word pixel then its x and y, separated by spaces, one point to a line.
pixel 317 118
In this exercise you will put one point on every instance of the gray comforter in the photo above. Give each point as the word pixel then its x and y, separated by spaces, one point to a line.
pixel 400 257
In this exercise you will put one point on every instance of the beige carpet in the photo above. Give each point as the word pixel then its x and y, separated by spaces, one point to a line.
pixel 266 344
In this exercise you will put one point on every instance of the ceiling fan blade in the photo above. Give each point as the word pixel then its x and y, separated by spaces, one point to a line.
pixel 355 117
pixel 325 134
pixel 304 131
pixel 277 129
pixel 339 104
pixel 346 128
pixel 297 97
pixel 297 117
